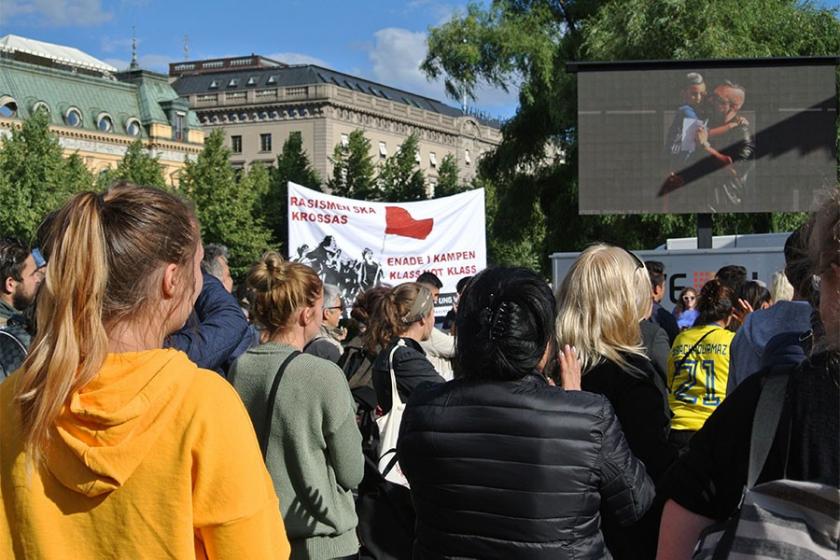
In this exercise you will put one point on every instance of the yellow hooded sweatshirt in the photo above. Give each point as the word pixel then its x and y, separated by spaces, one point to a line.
pixel 154 458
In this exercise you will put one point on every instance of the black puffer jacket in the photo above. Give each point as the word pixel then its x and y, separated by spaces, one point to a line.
pixel 516 469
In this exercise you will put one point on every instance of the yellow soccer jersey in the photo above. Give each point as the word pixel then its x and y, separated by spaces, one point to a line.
pixel 696 390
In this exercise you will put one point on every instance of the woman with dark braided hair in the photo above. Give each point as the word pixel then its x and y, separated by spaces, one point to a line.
pixel 502 463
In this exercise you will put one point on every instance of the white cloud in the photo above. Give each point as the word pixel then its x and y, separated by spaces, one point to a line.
pixel 296 58
pixel 396 56
pixel 55 13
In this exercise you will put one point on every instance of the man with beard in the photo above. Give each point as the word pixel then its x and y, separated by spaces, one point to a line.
pixel 724 151
pixel 21 273
pixel 728 143
pixel 20 277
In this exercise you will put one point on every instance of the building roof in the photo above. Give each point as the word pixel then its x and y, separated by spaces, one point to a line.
pixel 308 74
pixel 56 53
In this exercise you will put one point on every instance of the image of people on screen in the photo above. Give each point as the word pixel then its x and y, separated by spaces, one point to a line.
pixel 711 140
pixel 334 266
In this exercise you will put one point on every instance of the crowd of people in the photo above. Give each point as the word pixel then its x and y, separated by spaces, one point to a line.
pixel 149 410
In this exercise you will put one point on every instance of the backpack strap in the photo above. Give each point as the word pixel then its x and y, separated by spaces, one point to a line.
pixel 678 366
pixel 768 412
pixel 269 406
pixel 395 394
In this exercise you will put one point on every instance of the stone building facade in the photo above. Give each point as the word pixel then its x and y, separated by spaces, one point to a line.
pixel 95 110
pixel 259 102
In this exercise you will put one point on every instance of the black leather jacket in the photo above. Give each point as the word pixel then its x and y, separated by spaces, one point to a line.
pixel 516 469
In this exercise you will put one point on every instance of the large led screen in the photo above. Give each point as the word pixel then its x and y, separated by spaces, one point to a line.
pixel 706 139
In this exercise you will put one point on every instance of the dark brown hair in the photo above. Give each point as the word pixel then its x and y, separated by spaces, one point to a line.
pixel 715 302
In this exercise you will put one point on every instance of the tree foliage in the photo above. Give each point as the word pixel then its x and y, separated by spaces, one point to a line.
pixel 35 178
pixel 448 180
pixel 137 166
pixel 226 207
pixel 292 165
pixel 400 178
pixel 528 42
pixel 353 169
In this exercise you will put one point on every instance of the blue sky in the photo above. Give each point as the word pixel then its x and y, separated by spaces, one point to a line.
pixel 378 39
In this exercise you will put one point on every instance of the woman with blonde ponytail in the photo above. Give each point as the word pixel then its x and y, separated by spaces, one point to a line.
pixel 303 412
pixel 109 444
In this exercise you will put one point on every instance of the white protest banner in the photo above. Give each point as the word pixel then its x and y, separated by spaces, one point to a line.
pixel 356 244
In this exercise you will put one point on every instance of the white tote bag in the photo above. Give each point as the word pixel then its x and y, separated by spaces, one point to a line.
pixel 389 430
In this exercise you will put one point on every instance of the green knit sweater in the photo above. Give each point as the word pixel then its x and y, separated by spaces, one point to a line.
pixel 314 453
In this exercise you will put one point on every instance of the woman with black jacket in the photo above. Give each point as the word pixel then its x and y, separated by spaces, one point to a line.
pixel 600 304
pixel 502 464
pixel 404 317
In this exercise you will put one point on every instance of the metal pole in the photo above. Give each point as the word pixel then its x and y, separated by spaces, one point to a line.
pixel 704 231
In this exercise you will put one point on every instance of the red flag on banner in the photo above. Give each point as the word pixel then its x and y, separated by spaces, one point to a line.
pixel 399 222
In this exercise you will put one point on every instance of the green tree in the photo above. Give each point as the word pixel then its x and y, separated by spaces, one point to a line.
pixel 137 166
pixel 448 181
pixel 36 177
pixel 529 42
pixel 353 170
pixel 292 165
pixel 225 206
pixel 400 178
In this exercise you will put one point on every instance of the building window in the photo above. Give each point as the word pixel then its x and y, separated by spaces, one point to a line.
pixel 73 117
pixel 345 140
pixel 383 150
pixel 252 81
pixel 233 82
pixel 236 144
pixel 417 156
pixel 265 142
pixel 40 106
pixel 214 84
pixel 271 80
pixel 432 159
pixel 467 159
pixel 8 107
pixel 132 127
pixel 104 122
pixel 178 128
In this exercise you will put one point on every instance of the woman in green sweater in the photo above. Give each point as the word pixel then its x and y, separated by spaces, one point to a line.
pixel 310 441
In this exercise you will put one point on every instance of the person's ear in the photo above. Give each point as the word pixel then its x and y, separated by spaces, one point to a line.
pixel 9 285
pixel 171 281
pixel 306 316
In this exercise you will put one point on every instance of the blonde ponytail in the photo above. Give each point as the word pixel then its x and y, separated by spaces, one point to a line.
pixel 71 342
pixel 105 255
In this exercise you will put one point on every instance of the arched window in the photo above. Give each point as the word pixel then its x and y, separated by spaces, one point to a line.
pixel 8 107
pixel 40 106
pixel 133 127
pixel 73 117
pixel 104 122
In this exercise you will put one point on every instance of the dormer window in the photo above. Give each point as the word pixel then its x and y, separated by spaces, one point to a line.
pixel 271 80
pixel 8 107
pixel 132 127
pixel 252 81
pixel 73 117
pixel 40 106
pixel 214 84
pixel 233 82
pixel 104 122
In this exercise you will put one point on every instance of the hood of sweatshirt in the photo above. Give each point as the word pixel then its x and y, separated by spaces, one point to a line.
pixel 109 427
